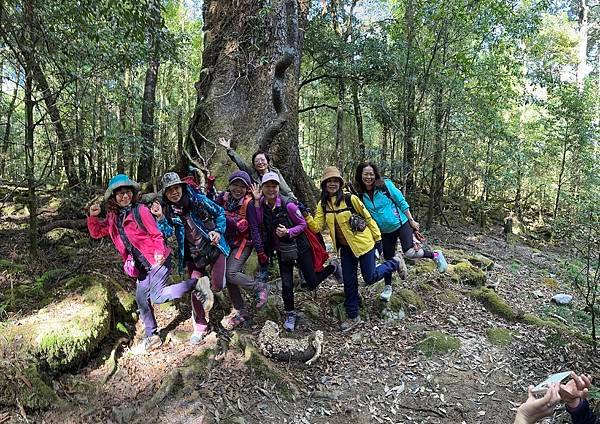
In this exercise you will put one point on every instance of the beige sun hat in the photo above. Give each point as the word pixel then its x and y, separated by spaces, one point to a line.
pixel 332 172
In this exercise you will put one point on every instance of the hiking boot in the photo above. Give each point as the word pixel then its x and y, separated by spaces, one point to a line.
pixel 350 323
pixel 402 270
pixel 234 319
pixel 147 344
pixel 290 321
pixel 261 292
pixel 386 293
pixel 205 295
pixel 439 259
pixel 198 335
pixel 337 271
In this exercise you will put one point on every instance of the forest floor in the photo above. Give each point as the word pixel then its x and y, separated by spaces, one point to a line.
pixel 373 374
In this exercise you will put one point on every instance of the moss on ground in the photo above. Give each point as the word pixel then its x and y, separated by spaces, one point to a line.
pixel 437 343
pixel 311 310
pixel 269 311
pixel 411 297
pixel 496 304
pixel 498 336
pixel 25 385
pixel 448 296
pixel 424 267
pixel 466 273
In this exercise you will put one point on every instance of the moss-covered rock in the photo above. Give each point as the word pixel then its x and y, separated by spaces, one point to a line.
pixel 336 297
pixel 496 304
pixel 123 304
pixel 14 210
pixel 481 262
pixel 498 336
pixel 25 383
pixel 339 311
pixel 465 273
pixel 58 337
pixel 437 343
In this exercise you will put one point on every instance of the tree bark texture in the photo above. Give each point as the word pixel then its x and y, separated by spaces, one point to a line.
pixel 144 171
pixel 30 66
pixel 243 41
pixel 359 122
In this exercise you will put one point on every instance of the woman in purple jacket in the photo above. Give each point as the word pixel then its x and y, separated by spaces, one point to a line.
pixel 146 257
pixel 243 236
pixel 283 232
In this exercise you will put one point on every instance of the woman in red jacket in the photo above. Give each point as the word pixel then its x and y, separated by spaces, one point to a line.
pixel 146 257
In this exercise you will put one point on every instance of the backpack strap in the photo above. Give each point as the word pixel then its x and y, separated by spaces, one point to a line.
pixel 244 208
pixel 349 206
pixel 137 255
pixel 138 217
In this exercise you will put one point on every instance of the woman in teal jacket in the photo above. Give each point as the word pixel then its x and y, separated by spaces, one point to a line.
pixel 391 212
pixel 199 225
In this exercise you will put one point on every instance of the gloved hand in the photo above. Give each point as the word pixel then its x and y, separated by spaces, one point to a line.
pixel 379 248
pixel 303 209
pixel 262 258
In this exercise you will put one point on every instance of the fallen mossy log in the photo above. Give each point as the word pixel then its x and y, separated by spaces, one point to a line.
pixel 494 303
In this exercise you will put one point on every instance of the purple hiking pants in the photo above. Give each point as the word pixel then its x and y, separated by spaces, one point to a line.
pixel 152 288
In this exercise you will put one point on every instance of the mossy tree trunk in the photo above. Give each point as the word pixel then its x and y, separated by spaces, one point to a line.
pixel 242 43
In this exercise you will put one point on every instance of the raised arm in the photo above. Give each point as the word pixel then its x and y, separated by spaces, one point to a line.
pixel 237 159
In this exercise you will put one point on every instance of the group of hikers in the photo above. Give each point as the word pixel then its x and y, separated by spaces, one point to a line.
pixel 217 232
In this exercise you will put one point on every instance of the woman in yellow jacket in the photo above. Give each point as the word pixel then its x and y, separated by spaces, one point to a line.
pixel 354 233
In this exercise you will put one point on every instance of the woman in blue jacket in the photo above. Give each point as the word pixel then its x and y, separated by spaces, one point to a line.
pixel 389 209
pixel 199 225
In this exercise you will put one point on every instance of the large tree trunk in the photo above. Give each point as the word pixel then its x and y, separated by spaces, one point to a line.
pixel 243 41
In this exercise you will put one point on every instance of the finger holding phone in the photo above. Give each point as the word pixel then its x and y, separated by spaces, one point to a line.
pixel 576 389
pixel 535 408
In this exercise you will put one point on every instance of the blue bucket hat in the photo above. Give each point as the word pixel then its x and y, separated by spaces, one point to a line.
pixel 120 180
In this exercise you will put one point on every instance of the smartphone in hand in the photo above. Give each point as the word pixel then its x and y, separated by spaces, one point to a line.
pixel 543 387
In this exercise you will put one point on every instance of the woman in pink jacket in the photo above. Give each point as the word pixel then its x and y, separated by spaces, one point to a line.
pixel 146 257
